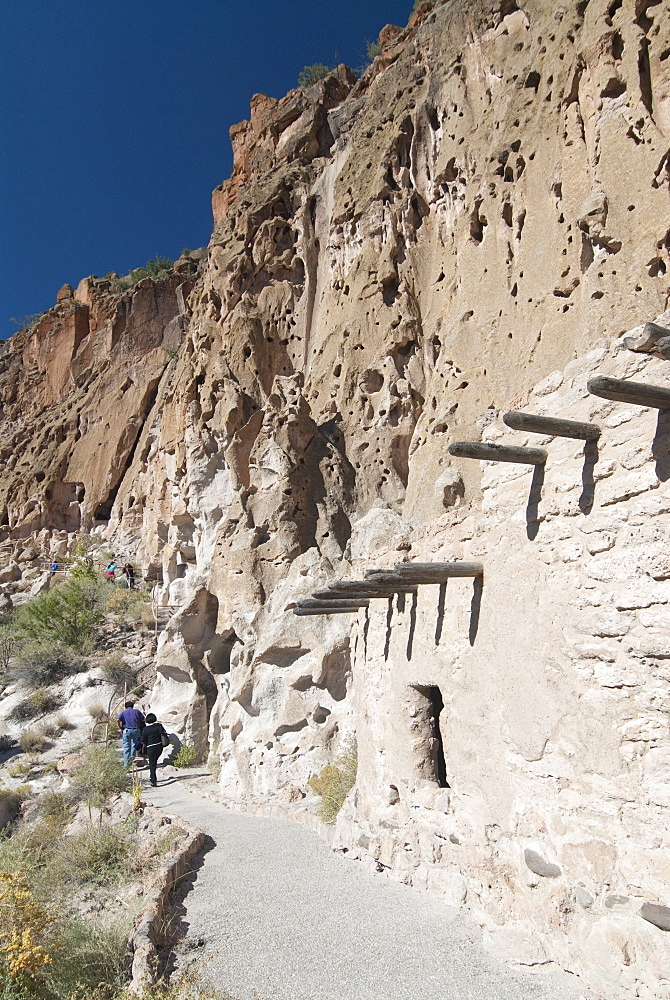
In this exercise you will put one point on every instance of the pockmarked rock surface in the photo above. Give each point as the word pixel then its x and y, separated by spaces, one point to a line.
pixel 280 917
pixel 479 224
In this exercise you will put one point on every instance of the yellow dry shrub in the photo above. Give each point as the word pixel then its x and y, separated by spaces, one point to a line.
pixel 22 924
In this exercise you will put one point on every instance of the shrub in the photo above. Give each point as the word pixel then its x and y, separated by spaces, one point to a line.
pixel 97 712
pixel 43 701
pixel 21 769
pixel 51 729
pixel 38 703
pixel 117 672
pixel 89 961
pixel 63 722
pixel 10 803
pixel 7 646
pixel 55 806
pixel 335 782
pixel 41 663
pixel 372 50
pixel 32 741
pixel 6 743
pixel 99 773
pixel 185 757
pixel 71 613
pixel 99 855
pixel 310 75
pixel 22 954
pixel 157 269
pixel 24 710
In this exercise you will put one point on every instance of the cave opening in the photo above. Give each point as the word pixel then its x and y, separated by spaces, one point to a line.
pixel 433 706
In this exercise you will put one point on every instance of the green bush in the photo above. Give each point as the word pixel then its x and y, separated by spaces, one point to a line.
pixel 99 773
pixel 185 757
pixel 71 614
pixel 310 75
pixel 334 783
pixel 41 663
pixel 372 50
pixel 158 268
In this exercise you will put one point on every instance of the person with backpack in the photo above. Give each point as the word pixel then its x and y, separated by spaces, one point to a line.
pixel 154 739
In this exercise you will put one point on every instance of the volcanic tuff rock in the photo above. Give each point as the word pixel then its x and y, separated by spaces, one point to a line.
pixel 468 228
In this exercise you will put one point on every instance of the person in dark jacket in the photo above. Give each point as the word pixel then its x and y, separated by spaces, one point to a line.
pixel 152 743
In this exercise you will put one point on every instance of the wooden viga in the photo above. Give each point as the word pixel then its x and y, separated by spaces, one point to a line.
pixel 489 452
pixel 623 391
pixel 347 596
pixel 438 572
pixel 329 607
pixel 555 426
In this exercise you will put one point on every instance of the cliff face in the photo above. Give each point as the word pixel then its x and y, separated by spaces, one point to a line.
pixel 468 228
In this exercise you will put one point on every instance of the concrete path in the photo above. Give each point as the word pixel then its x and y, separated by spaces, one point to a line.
pixel 281 917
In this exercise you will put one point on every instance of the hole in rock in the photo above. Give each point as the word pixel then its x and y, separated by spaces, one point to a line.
pixel 427 722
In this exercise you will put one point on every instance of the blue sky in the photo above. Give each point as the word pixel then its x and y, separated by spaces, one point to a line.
pixel 114 118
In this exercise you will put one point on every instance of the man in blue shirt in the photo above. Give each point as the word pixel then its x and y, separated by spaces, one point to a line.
pixel 131 723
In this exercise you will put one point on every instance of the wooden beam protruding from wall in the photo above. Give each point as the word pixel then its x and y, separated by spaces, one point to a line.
pixel 369 588
pixel 536 424
pixel 325 610
pixel 388 579
pixel 334 602
pixel 438 572
pixel 487 451
pixel 355 595
pixel 623 391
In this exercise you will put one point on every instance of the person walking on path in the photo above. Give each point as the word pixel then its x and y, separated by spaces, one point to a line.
pixel 153 739
pixel 110 572
pixel 131 724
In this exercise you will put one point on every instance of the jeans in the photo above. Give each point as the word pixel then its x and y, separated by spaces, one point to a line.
pixel 129 738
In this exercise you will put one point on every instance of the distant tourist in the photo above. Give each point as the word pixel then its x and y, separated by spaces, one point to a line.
pixel 110 572
pixel 53 568
pixel 131 724
pixel 128 575
pixel 154 739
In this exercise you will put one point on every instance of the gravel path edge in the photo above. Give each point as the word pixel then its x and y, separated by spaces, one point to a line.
pixel 147 931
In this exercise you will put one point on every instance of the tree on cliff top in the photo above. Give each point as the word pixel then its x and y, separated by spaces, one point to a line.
pixel 310 75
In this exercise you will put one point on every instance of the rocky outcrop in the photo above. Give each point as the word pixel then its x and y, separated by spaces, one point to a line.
pixel 468 228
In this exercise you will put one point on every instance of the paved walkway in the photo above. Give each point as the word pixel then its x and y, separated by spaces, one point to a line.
pixel 281 917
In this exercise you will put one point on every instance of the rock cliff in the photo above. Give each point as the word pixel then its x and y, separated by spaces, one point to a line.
pixel 468 228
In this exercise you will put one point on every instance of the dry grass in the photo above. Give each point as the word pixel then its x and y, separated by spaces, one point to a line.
pixel 33 741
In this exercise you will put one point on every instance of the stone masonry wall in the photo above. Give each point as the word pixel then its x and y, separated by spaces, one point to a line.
pixel 555 684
